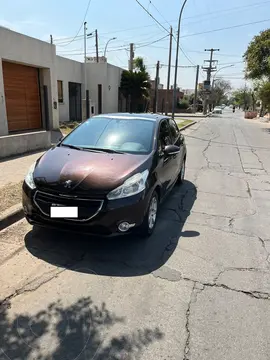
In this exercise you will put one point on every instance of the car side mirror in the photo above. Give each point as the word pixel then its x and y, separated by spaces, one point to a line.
pixel 171 150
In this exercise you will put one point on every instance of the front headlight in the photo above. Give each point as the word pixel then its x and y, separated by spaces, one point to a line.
pixel 29 179
pixel 132 186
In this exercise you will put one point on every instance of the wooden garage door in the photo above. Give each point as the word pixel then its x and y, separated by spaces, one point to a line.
pixel 22 96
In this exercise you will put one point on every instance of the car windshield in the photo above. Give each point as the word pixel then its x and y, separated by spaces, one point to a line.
pixel 134 136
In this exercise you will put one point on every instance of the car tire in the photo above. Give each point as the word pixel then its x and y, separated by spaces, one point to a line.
pixel 150 219
pixel 181 176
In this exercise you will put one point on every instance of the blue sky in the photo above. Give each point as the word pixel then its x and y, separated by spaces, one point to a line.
pixel 127 21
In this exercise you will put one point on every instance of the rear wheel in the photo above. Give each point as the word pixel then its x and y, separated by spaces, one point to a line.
pixel 181 176
pixel 150 219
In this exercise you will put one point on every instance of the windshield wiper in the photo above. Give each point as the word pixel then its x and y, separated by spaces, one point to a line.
pixel 72 146
pixel 111 151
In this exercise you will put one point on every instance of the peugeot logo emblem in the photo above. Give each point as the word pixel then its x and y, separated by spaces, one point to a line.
pixel 67 184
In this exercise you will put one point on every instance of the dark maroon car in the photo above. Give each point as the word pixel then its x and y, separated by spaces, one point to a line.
pixel 108 176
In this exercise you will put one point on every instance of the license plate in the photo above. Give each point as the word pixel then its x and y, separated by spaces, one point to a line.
pixel 64 212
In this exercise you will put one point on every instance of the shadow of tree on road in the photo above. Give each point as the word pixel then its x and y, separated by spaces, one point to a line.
pixel 121 256
pixel 77 331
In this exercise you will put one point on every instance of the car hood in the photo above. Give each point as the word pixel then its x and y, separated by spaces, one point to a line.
pixel 67 170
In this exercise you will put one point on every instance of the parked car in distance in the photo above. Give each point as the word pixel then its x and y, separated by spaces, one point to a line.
pixel 108 176
pixel 217 110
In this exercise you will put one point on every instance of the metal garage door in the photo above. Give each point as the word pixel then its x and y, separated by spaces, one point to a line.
pixel 21 86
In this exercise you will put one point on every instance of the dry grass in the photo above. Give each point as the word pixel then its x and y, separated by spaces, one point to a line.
pixel 10 194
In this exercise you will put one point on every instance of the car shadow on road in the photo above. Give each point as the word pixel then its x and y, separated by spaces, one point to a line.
pixel 119 256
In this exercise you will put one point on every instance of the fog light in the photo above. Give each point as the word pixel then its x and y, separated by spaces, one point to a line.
pixel 125 226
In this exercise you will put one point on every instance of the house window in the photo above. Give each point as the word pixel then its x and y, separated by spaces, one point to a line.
pixel 60 91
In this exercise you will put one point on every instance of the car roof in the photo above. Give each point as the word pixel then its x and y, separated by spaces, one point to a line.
pixel 134 116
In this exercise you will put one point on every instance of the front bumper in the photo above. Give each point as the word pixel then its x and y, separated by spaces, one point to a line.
pixel 104 223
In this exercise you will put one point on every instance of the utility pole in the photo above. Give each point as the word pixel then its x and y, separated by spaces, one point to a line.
pixel 85 36
pixel 86 92
pixel 97 46
pixel 196 90
pixel 176 58
pixel 51 39
pixel 209 69
pixel 130 67
pixel 169 72
pixel 131 57
pixel 155 105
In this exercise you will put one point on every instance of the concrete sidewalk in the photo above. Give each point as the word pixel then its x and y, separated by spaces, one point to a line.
pixel 186 115
pixel 14 170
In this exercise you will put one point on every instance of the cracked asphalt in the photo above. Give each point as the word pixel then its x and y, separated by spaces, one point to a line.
pixel 198 289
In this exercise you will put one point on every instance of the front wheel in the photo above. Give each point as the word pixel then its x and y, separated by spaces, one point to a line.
pixel 150 218
pixel 181 176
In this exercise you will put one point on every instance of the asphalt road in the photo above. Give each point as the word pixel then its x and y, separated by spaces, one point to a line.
pixel 198 289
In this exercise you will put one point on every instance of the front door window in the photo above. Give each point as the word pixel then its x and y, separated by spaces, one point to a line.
pixel 164 138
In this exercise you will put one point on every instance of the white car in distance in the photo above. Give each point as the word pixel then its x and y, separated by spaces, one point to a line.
pixel 217 110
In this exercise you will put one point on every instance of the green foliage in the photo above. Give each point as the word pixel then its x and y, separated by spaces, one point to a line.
pixel 139 64
pixel 264 94
pixel 136 85
pixel 220 91
pixel 245 97
pixel 257 56
pixel 184 104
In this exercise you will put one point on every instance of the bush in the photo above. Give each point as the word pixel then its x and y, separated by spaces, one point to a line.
pixel 183 105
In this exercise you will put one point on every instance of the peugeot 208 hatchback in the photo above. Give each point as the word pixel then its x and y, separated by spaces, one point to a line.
pixel 108 176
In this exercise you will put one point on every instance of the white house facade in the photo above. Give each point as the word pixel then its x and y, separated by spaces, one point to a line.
pixel 39 89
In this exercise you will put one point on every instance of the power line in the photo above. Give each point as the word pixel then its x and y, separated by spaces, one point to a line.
pixel 153 42
pixel 185 18
pixel 148 36
pixel 229 9
pixel 181 66
pixel 124 47
pixel 186 56
pixel 152 16
pixel 236 62
pixel 188 35
pixel 89 2
pixel 145 42
pixel 159 12
pixel 225 28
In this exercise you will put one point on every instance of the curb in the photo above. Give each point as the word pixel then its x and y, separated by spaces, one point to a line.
pixel 189 116
pixel 11 215
pixel 187 126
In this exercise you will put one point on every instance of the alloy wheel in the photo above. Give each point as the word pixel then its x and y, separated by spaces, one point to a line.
pixel 182 173
pixel 152 213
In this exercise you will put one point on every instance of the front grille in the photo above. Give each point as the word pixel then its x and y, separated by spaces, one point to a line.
pixel 87 208
pixel 78 191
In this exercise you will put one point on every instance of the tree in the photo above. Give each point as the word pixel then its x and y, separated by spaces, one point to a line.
pixel 264 95
pixel 257 57
pixel 139 64
pixel 135 86
pixel 220 91
pixel 246 97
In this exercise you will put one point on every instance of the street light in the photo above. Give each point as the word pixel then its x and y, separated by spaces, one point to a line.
pixel 114 38
pixel 224 67
pixel 176 59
